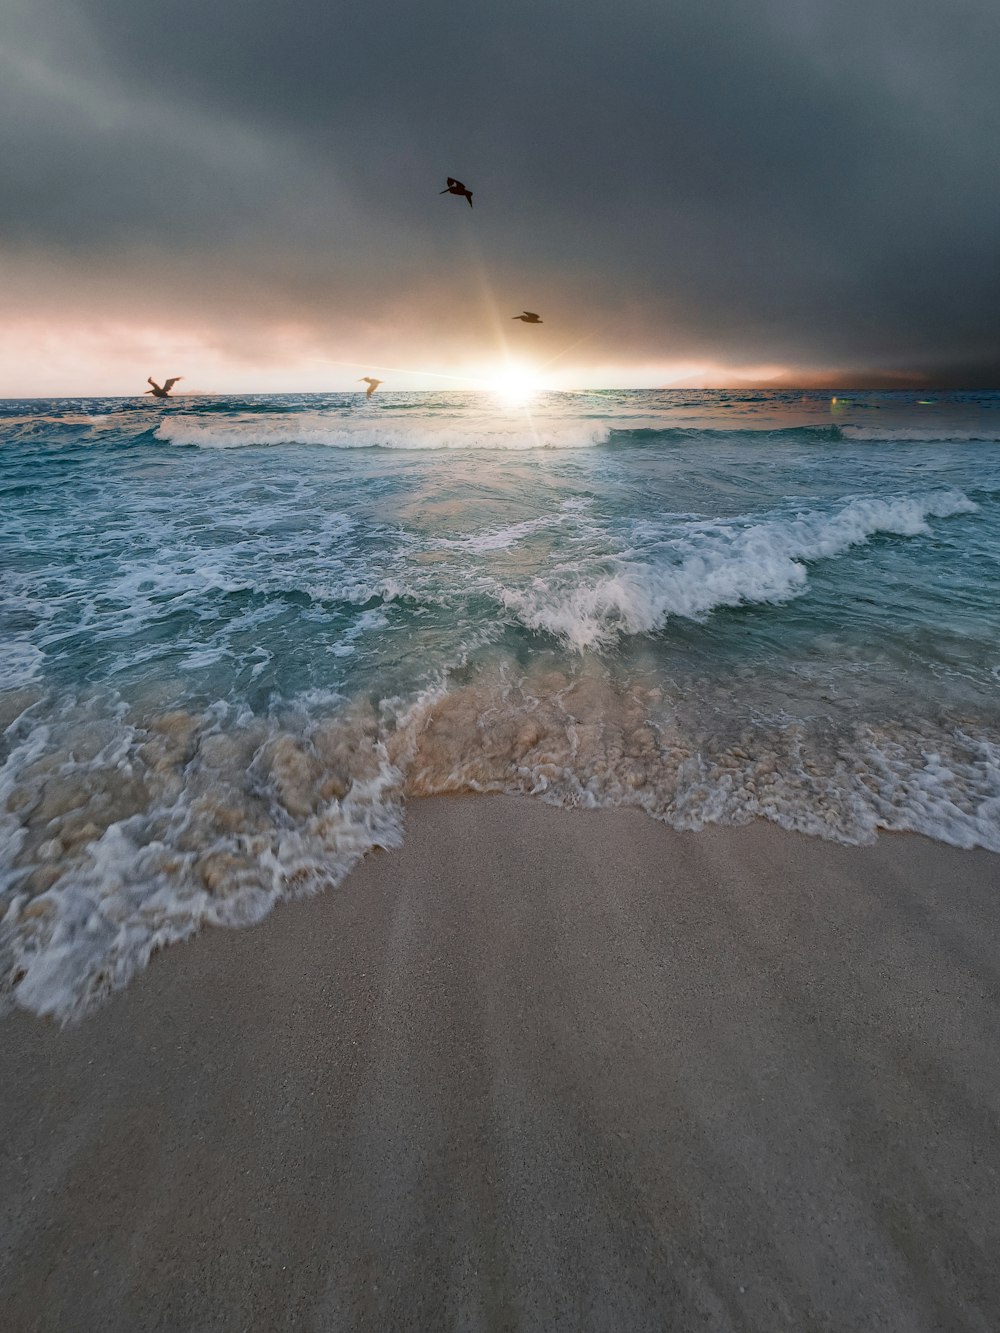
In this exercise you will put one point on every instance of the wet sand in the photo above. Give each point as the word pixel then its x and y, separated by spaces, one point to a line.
pixel 539 1069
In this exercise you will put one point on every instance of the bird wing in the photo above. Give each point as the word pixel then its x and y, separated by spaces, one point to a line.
pixel 531 314
pixel 453 182
pixel 171 382
pixel 152 382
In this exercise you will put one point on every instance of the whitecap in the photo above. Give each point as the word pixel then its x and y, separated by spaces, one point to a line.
pixel 340 433
pixel 723 565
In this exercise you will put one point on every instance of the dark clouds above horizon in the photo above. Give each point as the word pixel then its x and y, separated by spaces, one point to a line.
pixel 795 181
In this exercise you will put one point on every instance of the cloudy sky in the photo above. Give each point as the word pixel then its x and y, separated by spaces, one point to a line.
pixel 689 191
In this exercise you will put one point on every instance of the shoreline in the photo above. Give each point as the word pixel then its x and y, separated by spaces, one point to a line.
pixel 537 1068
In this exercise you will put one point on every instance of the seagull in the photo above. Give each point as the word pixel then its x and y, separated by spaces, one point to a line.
pixel 157 392
pixel 456 187
pixel 529 317
pixel 372 384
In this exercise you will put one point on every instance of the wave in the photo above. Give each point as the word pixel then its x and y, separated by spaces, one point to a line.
pixel 928 435
pixel 521 435
pixel 724 566
pixel 445 430
pixel 339 434
pixel 261 426
pixel 122 835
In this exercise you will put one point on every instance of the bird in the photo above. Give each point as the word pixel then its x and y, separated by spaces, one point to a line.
pixel 456 187
pixel 157 392
pixel 372 384
pixel 529 317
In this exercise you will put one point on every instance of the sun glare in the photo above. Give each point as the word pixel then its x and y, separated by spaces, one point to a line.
pixel 514 384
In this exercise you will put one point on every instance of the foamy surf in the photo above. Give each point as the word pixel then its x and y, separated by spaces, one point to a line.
pixel 20 664
pixel 227 668
pixel 720 565
pixel 335 432
pixel 123 836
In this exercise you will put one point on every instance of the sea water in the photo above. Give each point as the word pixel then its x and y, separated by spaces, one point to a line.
pixel 236 635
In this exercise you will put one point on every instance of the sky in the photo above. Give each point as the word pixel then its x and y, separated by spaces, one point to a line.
pixel 690 192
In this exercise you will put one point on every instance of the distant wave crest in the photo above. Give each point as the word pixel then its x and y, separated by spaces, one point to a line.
pixel 337 433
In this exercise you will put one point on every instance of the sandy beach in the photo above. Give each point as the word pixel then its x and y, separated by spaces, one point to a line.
pixel 537 1069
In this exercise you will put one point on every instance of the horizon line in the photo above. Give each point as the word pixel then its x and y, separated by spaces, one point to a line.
pixel 833 390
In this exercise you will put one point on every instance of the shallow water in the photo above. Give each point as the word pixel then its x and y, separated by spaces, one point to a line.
pixel 235 635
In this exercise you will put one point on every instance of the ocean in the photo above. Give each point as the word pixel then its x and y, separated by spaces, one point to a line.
pixel 238 634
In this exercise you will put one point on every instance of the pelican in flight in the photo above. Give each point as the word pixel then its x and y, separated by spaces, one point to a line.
pixel 529 317
pixel 456 187
pixel 157 392
pixel 372 384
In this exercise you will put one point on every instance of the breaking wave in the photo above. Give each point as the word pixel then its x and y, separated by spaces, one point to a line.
pixel 221 684
pixel 520 432
pixel 516 430
pixel 336 433
pixel 723 565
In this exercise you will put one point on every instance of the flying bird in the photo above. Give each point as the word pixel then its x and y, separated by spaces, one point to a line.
pixel 529 317
pixel 456 187
pixel 157 392
pixel 372 384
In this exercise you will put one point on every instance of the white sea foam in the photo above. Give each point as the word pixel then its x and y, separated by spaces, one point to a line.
pixel 580 741
pixel 503 538
pixel 290 593
pixel 339 432
pixel 20 663
pixel 119 838
pixel 724 565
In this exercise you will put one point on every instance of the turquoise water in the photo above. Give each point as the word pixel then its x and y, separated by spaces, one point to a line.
pixel 236 635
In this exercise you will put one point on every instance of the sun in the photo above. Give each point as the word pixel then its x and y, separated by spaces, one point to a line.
pixel 514 384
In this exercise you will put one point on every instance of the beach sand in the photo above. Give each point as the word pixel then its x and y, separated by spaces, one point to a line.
pixel 539 1069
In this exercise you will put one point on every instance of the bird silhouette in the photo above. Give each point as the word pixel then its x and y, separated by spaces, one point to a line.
pixel 157 392
pixel 529 317
pixel 372 384
pixel 456 187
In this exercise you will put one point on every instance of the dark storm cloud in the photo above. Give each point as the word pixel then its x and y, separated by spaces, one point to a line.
pixel 750 179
